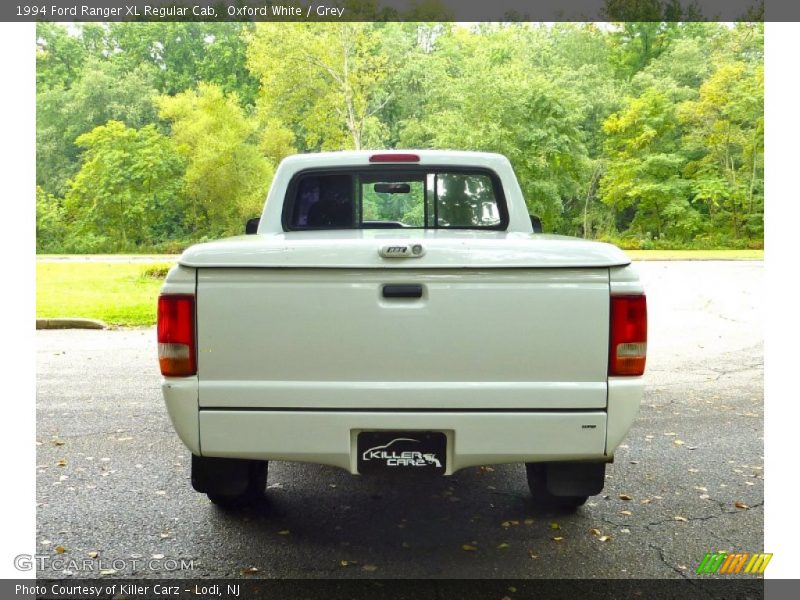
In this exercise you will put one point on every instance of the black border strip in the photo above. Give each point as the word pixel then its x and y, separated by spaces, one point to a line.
pixel 400 10
pixel 722 588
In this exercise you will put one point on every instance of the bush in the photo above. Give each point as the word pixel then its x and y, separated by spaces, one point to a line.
pixel 711 242
pixel 158 272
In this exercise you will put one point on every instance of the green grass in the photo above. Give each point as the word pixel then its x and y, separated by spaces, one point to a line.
pixel 117 293
pixel 695 254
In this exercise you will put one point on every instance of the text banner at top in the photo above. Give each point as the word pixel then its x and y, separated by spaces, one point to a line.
pixel 401 10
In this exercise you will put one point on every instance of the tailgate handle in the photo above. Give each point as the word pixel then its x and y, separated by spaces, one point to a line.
pixel 402 290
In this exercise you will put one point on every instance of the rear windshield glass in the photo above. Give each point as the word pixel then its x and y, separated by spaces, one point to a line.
pixel 395 199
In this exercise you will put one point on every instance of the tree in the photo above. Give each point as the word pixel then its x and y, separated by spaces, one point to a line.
pixel 642 181
pixel 490 100
pixel 59 56
pixel 50 226
pixel 637 43
pixel 186 52
pixel 725 134
pixel 647 126
pixel 226 176
pixel 323 81
pixel 101 93
pixel 128 186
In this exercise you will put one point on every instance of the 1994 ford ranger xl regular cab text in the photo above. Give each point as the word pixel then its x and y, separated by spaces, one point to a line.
pixel 401 311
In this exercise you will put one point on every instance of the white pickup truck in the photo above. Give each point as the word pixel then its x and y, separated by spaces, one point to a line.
pixel 401 312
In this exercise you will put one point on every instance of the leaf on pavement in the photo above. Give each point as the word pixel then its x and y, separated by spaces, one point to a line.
pixel 60 549
pixel 503 546
pixel 370 568
pixel 625 497
pixel 627 513
pixel 62 462
pixel 93 554
pixel 557 538
pixel 678 442
pixel 532 555
pixel 58 442
pixel 468 547
pixel 595 531
pixel 284 532
pixel 681 519
pixel 740 504
pixel 604 538
pixel 555 526
pixel 248 570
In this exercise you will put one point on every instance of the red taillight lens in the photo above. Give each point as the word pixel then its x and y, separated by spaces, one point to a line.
pixel 390 157
pixel 628 340
pixel 176 340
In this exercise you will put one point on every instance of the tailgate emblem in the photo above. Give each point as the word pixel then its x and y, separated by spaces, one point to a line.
pixel 402 251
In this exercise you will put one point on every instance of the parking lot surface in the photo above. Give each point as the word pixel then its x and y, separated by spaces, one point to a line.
pixel 113 478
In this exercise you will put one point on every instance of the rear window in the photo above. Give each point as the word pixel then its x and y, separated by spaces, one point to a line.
pixel 394 199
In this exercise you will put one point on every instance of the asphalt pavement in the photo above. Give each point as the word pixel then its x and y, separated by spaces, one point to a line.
pixel 114 498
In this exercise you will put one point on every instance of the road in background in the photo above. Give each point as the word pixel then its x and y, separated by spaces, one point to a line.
pixel 113 478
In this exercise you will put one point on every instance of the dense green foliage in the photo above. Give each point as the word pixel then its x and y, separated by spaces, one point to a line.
pixel 154 135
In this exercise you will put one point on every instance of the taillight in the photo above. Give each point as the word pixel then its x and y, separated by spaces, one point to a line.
pixel 176 339
pixel 394 157
pixel 628 340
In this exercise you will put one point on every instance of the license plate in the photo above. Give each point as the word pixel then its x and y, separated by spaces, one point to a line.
pixel 406 451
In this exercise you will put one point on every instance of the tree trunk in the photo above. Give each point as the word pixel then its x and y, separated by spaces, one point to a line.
pixel 348 94
pixel 589 194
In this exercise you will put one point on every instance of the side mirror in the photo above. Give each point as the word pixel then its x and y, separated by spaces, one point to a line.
pixel 252 226
pixel 536 223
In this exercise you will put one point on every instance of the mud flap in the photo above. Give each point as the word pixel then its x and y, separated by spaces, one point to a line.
pixel 575 478
pixel 229 476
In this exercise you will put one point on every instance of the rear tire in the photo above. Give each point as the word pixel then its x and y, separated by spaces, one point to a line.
pixel 542 498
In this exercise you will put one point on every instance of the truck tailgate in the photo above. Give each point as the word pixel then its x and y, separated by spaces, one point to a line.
pixel 476 339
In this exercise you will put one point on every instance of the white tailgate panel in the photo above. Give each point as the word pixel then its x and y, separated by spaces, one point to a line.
pixel 326 338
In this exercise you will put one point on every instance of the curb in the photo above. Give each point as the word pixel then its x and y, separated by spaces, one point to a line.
pixel 70 323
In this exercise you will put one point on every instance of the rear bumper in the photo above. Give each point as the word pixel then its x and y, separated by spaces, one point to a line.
pixel 473 437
